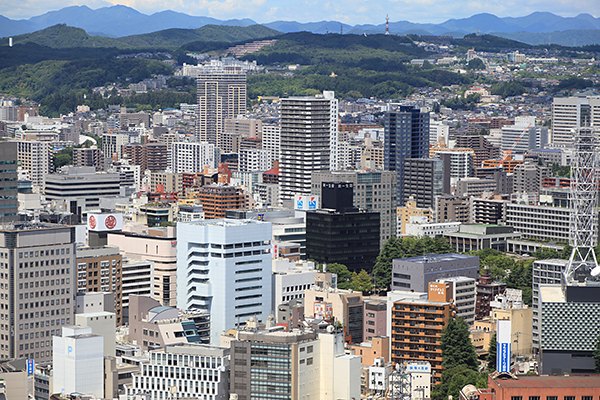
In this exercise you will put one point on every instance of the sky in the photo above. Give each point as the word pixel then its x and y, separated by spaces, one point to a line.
pixel 352 12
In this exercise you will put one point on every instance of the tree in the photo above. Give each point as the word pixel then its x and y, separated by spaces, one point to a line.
pixel 491 356
pixel 544 253
pixel 457 348
pixel 454 379
pixel 476 63
pixel 344 277
pixel 362 282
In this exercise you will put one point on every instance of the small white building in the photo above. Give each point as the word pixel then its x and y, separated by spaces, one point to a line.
pixel 290 280
pixel 206 373
pixel 420 379
pixel 419 226
pixel 379 376
pixel 78 361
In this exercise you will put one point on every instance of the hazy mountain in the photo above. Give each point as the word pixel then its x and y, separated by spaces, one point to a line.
pixel 115 21
pixel 120 21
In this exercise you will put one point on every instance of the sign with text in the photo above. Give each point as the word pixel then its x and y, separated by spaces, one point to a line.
pixel 503 348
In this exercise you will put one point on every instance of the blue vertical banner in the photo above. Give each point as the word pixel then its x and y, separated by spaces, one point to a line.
pixel 503 345
pixel 30 366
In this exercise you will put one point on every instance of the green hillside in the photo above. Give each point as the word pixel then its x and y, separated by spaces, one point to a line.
pixel 62 36
pixel 314 49
pixel 208 33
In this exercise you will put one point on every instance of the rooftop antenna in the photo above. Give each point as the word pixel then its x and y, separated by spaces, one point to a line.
pixel 387 24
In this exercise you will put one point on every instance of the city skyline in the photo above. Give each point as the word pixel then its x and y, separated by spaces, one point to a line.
pixel 350 12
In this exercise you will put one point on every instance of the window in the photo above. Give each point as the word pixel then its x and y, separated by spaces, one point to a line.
pixel 551 397
pixel 569 397
pixel 534 397
pixel 587 397
pixel 309 361
pixel 516 397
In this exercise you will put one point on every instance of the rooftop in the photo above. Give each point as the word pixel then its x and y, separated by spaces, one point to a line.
pixel 430 258
pixel 574 381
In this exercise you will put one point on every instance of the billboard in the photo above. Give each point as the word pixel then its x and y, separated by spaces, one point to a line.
pixel 503 350
pixel 306 202
pixel 105 222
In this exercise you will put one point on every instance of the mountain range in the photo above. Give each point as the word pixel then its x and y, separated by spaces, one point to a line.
pixel 119 21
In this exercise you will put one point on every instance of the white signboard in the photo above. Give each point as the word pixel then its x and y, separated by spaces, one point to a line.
pixel 105 222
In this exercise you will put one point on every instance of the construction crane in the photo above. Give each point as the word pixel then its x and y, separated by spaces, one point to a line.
pixel 508 152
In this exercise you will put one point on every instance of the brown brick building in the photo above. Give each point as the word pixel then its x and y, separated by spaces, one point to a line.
pixel 530 387
pixel 217 199
pixel 99 269
pixel 152 156
pixel 85 157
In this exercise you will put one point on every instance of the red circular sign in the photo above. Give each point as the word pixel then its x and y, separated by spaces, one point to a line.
pixel 110 222
pixel 92 222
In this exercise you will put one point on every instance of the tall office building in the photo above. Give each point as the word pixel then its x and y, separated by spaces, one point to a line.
pixel 373 191
pixel 220 96
pixel 37 263
pixel 309 135
pixel 9 205
pixel 567 114
pixel 224 267
pixel 406 136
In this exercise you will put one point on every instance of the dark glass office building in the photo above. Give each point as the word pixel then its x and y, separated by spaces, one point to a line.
pixel 406 136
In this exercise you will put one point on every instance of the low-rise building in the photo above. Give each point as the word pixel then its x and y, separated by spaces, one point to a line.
pixel 189 370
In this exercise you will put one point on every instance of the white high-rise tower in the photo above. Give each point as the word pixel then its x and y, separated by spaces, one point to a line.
pixel 309 141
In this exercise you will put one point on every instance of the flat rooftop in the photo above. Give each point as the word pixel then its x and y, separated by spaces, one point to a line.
pixel 542 382
pixel 431 258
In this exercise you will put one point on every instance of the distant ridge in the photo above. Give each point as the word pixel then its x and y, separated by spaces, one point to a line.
pixel 62 36
pixel 120 21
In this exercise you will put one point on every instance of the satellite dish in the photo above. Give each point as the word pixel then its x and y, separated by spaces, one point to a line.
pixel 595 272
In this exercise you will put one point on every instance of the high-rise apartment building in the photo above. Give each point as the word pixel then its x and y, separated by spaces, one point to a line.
pixel 34 158
pixel 224 267
pixel 373 191
pixel 415 324
pixel 86 157
pixel 37 263
pixel 567 114
pixel 9 204
pixel 309 136
pixel 406 136
pixel 271 140
pixel 255 160
pixel 152 156
pixel 246 127
pixel 424 179
pixel 191 157
pixel 220 96
pixel 99 270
